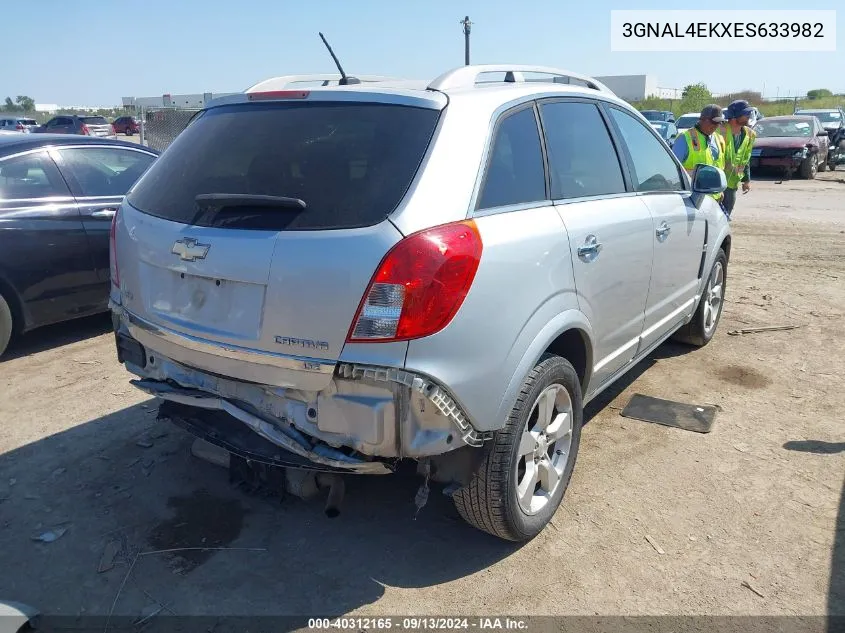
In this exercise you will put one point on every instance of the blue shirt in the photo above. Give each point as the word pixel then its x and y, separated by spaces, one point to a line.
pixel 679 147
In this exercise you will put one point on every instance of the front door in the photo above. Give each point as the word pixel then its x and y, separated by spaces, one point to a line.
pixel 609 228
pixel 99 177
pixel 679 228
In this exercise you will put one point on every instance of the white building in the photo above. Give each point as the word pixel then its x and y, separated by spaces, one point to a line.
pixel 171 100
pixel 638 87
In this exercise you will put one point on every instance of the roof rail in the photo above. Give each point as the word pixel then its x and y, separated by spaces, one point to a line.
pixel 279 83
pixel 467 76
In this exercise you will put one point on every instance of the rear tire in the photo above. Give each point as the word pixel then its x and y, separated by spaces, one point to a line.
pixel 6 324
pixel 532 447
pixel 702 328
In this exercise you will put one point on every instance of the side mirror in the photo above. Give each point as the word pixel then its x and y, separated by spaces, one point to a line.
pixel 708 179
pixel 822 133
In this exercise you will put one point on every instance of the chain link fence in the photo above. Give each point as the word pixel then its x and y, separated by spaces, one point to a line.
pixel 161 126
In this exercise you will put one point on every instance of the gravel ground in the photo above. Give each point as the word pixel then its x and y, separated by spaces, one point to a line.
pixel 746 520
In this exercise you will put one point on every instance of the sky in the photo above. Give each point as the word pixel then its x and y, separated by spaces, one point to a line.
pixel 94 53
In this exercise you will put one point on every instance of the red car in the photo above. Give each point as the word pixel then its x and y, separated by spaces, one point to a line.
pixel 126 125
pixel 791 143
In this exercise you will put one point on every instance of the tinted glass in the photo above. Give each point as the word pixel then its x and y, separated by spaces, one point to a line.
pixel 350 162
pixel 104 171
pixel 582 159
pixel 31 176
pixel 515 172
pixel 687 121
pixel 654 167
pixel 94 120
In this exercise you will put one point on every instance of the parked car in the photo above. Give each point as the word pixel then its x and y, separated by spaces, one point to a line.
pixel 687 121
pixel 659 115
pixel 337 328
pixel 127 125
pixel 792 143
pixel 667 131
pixel 86 125
pixel 57 198
pixel 756 116
pixel 832 119
pixel 17 124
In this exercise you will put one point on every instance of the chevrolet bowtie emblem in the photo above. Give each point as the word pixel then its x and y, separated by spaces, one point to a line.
pixel 189 249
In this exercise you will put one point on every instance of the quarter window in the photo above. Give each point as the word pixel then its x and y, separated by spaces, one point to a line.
pixel 515 172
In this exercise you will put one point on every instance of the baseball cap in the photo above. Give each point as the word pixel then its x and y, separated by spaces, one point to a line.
pixel 712 113
pixel 739 108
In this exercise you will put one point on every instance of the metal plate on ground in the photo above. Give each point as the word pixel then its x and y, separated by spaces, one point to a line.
pixel 689 417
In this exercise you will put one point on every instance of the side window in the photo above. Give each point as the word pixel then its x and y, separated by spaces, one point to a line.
pixel 515 172
pixel 582 159
pixel 654 167
pixel 104 171
pixel 31 176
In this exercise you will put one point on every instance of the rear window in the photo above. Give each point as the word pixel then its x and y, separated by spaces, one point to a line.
pixel 351 163
pixel 93 120
pixel 29 121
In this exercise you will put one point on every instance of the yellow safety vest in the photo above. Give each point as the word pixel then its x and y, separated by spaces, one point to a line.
pixel 736 158
pixel 698 153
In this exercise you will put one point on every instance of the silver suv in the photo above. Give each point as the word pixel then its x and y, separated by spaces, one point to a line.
pixel 342 277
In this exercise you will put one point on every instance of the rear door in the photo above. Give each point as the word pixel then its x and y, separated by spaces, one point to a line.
pixel 43 249
pixel 610 229
pixel 679 229
pixel 99 178
pixel 270 279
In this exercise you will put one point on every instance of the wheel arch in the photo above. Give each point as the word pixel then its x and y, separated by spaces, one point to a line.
pixel 16 305
pixel 569 335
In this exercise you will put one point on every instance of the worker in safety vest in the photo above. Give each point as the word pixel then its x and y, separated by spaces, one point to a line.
pixel 701 144
pixel 738 141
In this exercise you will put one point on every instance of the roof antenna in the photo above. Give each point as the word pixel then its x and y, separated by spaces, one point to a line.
pixel 344 79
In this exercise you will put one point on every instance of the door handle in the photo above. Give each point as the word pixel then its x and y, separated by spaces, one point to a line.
pixel 591 247
pixel 104 213
pixel 663 229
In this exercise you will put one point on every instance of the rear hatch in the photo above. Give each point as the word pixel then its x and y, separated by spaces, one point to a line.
pixel 200 255
pixel 97 125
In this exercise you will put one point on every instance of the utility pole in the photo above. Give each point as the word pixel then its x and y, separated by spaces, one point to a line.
pixel 467 26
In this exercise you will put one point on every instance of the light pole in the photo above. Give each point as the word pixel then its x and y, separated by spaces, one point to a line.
pixel 467 26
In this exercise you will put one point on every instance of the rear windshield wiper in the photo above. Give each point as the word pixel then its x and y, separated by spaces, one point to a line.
pixel 219 200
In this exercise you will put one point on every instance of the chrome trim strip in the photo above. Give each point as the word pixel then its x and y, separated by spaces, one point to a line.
pixel 669 317
pixel 615 354
pixel 236 352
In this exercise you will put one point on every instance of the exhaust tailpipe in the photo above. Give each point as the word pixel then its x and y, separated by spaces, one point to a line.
pixel 337 489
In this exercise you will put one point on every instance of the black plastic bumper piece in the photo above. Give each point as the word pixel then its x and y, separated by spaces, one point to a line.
pixel 221 429
pixel 129 350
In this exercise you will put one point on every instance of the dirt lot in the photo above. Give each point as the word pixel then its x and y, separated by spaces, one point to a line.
pixel 759 500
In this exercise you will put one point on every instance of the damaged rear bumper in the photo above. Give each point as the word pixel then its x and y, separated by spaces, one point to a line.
pixel 362 421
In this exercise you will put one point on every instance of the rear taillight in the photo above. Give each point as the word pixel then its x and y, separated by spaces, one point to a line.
pixel 419 285
pixel 85 129
pixel 19 127
pixel 114 271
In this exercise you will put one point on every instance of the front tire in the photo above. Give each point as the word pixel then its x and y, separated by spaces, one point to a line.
pixel 702 328
pixel 6 324
pixel 809 167
pixel 521 481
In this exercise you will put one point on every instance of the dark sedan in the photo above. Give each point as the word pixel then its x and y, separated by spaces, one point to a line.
pixel 58 195
pixel 791 143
